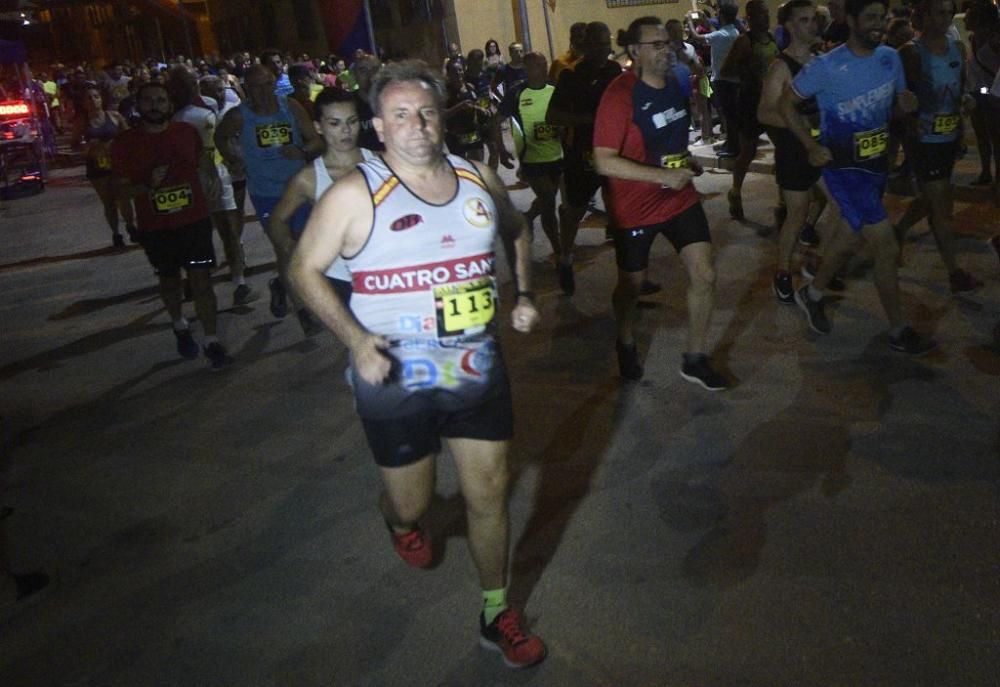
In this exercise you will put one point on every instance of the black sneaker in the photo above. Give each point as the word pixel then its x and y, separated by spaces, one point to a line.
pixel 218 358
pixel 911 343
pixel 809 236
pixel 783 288
pixel 279 300
pixel 244 294
pixel 567 280
pixel 699 371
pixel 310 327
pixel 629 366
pixel 117 240
pixel 648 288
pixel 187 347
pixel 814 311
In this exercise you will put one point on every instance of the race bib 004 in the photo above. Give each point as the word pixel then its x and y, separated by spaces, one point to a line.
pixel 167 201
pixel 869 145
pixel 546 132
pixel 675 160
pixel 464 308
pixel 946 123
pixel 274 134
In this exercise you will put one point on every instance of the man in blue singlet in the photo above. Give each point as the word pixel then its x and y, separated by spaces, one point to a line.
pixel 270 137
pixel 858 86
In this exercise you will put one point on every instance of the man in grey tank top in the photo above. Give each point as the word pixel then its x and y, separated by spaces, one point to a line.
pixel 437 275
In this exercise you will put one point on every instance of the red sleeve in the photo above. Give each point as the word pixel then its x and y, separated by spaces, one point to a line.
pixel 614 114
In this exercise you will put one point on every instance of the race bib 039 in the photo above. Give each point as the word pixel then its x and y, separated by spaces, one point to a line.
pixel 464 308
pixel 869 145
pixel 167 201
pixel 274 134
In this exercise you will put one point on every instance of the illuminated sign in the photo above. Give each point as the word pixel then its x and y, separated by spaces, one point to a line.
pixel 14 107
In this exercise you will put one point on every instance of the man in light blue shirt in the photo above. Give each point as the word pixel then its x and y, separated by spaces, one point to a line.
pixel 724 91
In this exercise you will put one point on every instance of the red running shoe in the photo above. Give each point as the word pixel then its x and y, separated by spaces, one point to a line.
pixel 414 547
pixel 507 635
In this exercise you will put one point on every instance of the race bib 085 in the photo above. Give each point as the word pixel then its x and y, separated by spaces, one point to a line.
pixel 870 144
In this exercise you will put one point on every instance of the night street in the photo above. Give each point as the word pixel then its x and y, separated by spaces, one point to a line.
pixel 833 519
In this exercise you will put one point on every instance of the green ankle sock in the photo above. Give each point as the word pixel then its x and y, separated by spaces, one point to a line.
pixel 494 603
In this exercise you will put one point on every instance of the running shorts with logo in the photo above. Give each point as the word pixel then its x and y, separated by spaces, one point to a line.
pixel 187 247
pixel 855 96
pixel 424 281
pixel 649 126
pixel 632 245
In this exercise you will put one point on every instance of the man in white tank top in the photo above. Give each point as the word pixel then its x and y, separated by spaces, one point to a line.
pixel 416 228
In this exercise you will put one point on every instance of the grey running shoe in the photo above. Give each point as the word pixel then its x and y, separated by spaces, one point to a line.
pixel 911 343
pixel 700 371
pixel 187 347
pixel 218 357
pixel 783 289
pixel 279 300
pixel 814 310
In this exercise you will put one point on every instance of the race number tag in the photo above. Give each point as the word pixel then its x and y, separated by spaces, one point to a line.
pixel 103 161
pixel 469 138
pixel 483 102
pixel 946 123
pixel 814 133
pixel 167 201
pixel 869 145
pixel 546 132
pixel 464 308
pixel 274 134
pixel 675 160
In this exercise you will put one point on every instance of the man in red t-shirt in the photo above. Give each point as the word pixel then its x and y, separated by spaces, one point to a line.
pixel 158 162
pixel 640 145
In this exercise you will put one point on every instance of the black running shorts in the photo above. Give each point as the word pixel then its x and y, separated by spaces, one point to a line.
pixel 932 161
pixel 792 170
pixel 632 245
pixel 401 441
pixel 188 247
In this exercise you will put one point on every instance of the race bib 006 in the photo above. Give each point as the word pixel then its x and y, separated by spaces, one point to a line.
pixel 464 308
pixel 167 201
pixel 546 132
pixel 274 134
pixel 869 145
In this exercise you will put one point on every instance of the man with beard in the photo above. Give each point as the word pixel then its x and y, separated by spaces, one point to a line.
pixel 161 164
pixel 641 146
pixel 858 87
pixel 417 229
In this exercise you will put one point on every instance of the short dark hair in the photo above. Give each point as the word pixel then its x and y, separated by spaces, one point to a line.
pixel 146 85
pixel 728 13
pixel 854 8
pixel 630 36
pixel 297 71
pixel 785 11
pixel 401 72
pixel 332 96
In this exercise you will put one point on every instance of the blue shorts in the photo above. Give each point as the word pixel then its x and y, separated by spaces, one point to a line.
pixel 264 205
pixel 858 194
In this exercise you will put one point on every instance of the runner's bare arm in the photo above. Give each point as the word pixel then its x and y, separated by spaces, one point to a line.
pixel 775 80
pixel 514 230
pixel 339 223
pixel 608 162
pixel 787 106
pixel 301 189
pixel 227 137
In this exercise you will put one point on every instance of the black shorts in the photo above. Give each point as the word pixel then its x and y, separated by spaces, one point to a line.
pixel 536 170
pixel 95 172
pixel 580 180
pixel 398 442
pixel 632 245
pixel 932 161
pixel 792 170
pixel 189 247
